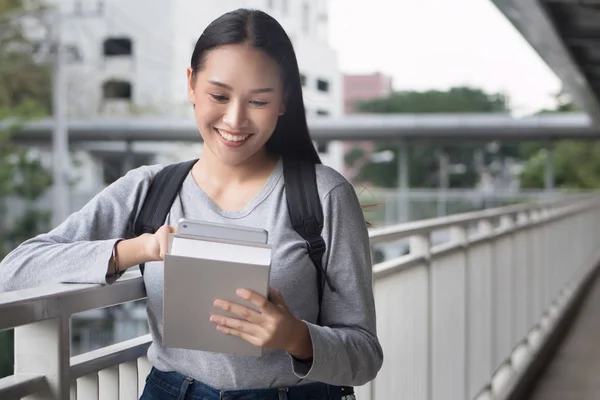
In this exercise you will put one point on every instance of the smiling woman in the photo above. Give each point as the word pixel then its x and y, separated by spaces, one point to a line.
pixel 244 85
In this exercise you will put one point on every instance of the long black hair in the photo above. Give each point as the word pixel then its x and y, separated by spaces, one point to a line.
pixel 261 31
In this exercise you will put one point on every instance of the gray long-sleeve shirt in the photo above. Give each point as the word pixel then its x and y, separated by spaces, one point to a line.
pixel 345 346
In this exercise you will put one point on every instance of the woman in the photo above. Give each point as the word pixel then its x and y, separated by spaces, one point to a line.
pixel 244 85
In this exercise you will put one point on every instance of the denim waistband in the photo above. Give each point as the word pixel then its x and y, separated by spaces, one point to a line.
pixel 179 386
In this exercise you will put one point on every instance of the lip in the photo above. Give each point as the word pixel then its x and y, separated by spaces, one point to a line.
pixel 232 144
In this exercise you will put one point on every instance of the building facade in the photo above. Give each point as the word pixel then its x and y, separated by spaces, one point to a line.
pixel 127 58
pixel 365 87
pixel 132 57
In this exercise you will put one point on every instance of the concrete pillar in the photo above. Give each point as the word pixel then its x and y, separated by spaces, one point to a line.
pixel 549 172
pixel 444 183
pixel 403 183
pixel 43 348
pixel 128 159
pixel 335 155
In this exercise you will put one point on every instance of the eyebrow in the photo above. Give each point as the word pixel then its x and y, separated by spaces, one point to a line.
pixel 225 86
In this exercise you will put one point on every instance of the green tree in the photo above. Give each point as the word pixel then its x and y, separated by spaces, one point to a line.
pixel 25 93
pixel 455 100
pixel 424 158
pixel 576 163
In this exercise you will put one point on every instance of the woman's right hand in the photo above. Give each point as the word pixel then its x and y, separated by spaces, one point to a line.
pixel 156 244
pixel 144 248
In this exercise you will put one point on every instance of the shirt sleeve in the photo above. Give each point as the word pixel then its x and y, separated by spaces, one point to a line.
pixel 79 249
pixel 346 351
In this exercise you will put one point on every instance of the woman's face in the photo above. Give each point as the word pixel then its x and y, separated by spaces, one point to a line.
pixel 238 98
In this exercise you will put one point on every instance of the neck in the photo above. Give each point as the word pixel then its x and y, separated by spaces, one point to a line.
pixel 210 168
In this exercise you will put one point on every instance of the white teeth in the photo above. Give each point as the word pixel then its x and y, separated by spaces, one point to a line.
pixel 233 138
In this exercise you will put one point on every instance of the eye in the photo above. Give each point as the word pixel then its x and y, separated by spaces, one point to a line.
pixel 259 103
pixel 219 98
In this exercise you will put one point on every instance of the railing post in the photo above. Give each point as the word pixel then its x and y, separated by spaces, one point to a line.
pixel 459 235
pixel 534 277
pixel 486 229
pixel 420 245
pixel 108 383
pixel 43 348
pixel 547 261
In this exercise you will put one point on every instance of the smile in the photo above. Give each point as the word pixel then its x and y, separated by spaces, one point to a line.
pixel 232 138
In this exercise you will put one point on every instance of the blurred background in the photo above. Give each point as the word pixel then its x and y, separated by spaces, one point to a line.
pixel 429 107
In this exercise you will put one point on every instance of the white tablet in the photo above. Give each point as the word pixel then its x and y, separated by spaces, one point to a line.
pixel 213 230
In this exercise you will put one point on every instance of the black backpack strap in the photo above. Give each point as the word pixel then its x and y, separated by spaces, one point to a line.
pixel 160 197
pixel 306 213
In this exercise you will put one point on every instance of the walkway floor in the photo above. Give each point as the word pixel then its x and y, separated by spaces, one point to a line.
pixel 574 374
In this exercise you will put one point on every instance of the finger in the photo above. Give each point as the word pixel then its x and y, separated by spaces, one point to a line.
pixel 276 298
pixel 235 324
pixel 261 302
pixel 162 235
pixel 244 312
pixel 234 332
pixel 163 242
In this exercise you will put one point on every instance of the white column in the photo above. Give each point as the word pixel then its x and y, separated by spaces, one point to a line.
pixel 403 183
pixel 549 171
pixel 335 156
pixel 43 348
pixel 444 184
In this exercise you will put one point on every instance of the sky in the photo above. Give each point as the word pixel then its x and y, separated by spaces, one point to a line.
pixel 437 44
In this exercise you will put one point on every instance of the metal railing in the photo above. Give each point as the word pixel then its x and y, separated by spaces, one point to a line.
pixel 457 320
pixel 461 319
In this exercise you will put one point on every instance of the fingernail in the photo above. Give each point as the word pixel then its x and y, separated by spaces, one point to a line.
pixel 242 293
pixel 218 303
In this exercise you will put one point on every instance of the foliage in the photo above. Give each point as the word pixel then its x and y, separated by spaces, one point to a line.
pixel 455 100
pixel 576 163
pixel 424 159
pixel 25 93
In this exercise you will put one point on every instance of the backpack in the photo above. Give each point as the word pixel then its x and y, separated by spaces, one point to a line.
pixel 303 202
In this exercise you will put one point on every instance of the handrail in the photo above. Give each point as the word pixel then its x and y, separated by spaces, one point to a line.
pixel 87 363
pixel 386 268
pixel 64 299
pixel 22 385
pixel 397 232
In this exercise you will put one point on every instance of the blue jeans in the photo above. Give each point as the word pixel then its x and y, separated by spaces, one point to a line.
pixel 175 386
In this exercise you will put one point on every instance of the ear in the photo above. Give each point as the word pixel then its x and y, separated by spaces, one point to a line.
pixel 191 86
pixel 282 108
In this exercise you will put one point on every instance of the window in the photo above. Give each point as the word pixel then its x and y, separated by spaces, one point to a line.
pixel 322 85
pixel 116 90
pixel 303 80
pixel 322 113
pixel 305 18
pixel 118 47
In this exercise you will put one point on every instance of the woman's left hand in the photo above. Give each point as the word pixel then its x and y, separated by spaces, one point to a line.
pixel 273 326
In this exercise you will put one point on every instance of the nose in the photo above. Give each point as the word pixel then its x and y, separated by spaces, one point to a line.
pixel 236 115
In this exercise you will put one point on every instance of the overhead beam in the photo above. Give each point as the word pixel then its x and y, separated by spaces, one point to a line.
pixel 386 127
pixel 533 21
